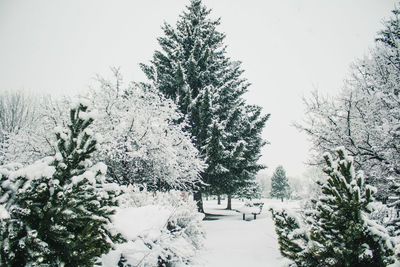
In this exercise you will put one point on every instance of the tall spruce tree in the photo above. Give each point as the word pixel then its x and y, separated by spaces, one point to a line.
pixel 279 184
pixel 215 170
pixel 192 69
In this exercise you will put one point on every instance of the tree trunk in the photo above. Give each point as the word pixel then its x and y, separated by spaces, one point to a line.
pixel 229 206
pixel 219 200
pixel 197 197
pixel 282 199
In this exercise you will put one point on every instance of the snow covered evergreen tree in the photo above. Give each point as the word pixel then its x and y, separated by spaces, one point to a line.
pixel 338 232
pixel 279 184
pixel 394 223
pixel 251 191
pixel 243 149
pixel 57 209
pixel 293 239
pixel 193 70
pixel 343 231
pixel 215 171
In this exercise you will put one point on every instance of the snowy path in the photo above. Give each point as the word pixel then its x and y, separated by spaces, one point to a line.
pixel 232 242
pixel 236 243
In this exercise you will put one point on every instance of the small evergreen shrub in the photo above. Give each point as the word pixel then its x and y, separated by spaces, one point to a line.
pixel 56 211
pixel 338 232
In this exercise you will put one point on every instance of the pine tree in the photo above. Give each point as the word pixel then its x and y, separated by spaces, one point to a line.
pixel 346 235
pixel 193 70
pixel 293 239
pixel 279 184
pixel 215 171
pixel 338 232
pixel 59 207
pixel 395 203
pixel 251 191
pixel 250 129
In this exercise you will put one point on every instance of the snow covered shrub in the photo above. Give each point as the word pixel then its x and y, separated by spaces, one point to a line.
pixel 392 214
pixel 145 137
pixel 56 211
pixel 383 214
pixel 26 126
pixel 339 231
pixel 162 229
pixel 18 113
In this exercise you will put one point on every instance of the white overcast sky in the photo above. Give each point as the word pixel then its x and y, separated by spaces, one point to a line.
pixel 288 48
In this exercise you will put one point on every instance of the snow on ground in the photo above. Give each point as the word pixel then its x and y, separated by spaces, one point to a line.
pixel 230 241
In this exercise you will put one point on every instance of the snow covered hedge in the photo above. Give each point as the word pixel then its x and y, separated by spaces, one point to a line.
pixel 161 229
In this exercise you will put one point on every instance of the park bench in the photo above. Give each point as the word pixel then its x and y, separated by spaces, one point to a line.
pixel 251 207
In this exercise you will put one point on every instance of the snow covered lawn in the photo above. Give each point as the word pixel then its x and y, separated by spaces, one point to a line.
pixel 230 241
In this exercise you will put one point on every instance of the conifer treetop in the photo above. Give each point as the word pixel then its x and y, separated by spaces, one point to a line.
pixel 76 144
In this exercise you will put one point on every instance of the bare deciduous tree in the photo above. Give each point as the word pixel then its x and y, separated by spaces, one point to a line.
pixel 365 116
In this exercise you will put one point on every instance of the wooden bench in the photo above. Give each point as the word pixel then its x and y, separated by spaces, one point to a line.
pixel 251 208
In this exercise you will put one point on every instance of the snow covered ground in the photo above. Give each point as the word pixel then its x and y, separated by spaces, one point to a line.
pixel 233 242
